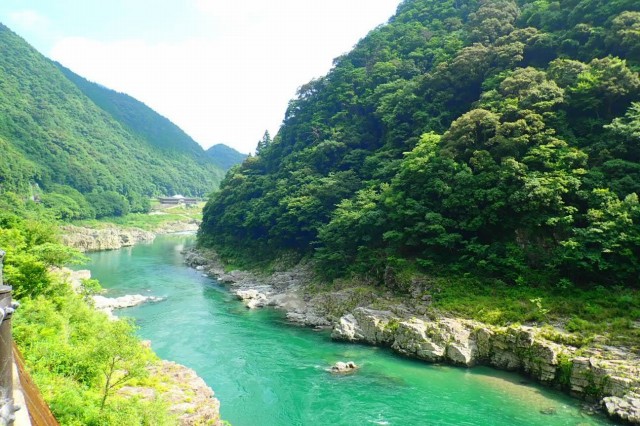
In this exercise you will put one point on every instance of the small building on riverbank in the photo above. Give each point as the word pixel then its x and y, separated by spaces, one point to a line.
pixel 177 200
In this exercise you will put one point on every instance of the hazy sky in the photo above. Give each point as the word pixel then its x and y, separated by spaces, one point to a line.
pixel 223 70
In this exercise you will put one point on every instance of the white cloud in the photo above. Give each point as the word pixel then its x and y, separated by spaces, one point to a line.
pixel 233 83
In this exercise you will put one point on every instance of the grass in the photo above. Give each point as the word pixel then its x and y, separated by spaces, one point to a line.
pixel 582 312
pixel 148 222
pixel 570 314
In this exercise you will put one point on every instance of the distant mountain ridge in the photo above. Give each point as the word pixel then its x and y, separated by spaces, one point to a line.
pixel 78 140
pixel 159 131
pixel 225 157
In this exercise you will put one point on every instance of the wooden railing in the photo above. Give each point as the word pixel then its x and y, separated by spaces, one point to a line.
pixel 39 413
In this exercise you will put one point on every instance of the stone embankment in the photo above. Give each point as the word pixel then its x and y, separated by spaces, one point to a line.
pixel 608 375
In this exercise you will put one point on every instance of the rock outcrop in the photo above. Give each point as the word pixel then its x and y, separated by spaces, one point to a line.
pixel 252 298
pixel 187 225
pixel 110 238
pixel 343 367
pixel 109 304
pixel 418 332
pixel 188 397
pixel 518 348
pixel 282 290
pixel 626 408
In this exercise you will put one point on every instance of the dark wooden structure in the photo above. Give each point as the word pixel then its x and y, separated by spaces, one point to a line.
pixel 7 408
pixel 39 412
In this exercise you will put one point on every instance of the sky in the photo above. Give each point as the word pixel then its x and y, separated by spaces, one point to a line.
pixel 222 70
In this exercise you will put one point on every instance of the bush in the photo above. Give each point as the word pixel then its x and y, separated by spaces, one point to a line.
pixel 108 203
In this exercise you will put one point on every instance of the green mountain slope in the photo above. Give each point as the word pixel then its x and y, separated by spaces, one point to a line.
pixel 225 157
pixel 56 135
pixel 141 120
pixel 495 137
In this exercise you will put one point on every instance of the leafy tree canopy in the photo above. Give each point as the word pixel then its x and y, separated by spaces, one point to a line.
pixel 497 137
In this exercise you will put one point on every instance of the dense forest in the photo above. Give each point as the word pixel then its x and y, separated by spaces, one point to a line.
pixel 224 156
pixel 84 150
pixel 499 138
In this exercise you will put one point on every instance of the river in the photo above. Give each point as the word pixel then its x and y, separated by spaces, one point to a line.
pixel 266 372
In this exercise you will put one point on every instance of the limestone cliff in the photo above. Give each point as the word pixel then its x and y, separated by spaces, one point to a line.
pixel 587 372
pixel 608 375
pixel 110 238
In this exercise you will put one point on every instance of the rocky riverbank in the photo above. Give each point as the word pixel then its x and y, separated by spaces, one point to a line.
pixel 115 237
pixel 608 376
pixel 110 238
pixel 109 304
pixel 186 394
pixel 188 397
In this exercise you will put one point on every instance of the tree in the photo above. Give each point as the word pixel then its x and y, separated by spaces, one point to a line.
pixel 606 87
pixel 263 143
pixel 108 203
pixel 469 133
pixel 120 356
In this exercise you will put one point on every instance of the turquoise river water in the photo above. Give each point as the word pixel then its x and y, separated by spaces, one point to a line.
pixel 267 372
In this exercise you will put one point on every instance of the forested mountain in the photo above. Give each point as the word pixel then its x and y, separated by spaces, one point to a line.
pixel 141 120
pixel 91 150
pixel 494 137
pixel 224 156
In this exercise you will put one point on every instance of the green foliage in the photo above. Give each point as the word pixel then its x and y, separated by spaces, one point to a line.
pixel 108 203
pixel 79 358
pixel 148 222
pixel 225 157
pixel 498 138
pixel 583 313
pixel 32 246
pixel 565 367
pixel 89 287
pixel 68 135
pixel 76 355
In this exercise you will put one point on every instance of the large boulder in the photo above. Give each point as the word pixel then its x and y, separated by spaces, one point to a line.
pixel 626 408
pixel 252 298
pixel 414 338
pixel 348 329
pixel 343 367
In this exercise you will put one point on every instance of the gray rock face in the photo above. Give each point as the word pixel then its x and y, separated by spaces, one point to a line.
pixel 414 338
pixel 281 290
pixel 445 339
pixel 517 348
pixel 187 396
pixel 407 330
pixel 108 304
pixel 626 408
pixel 348 329
pixel 87 239
pixel 252 298
pixel 365 325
